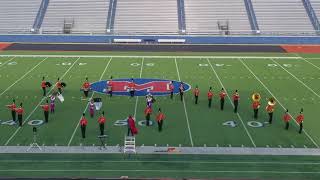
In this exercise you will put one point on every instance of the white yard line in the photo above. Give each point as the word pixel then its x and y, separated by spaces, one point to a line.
pixel 41 101
pixel 23 76
pixel 77 126
pixel 296 78
pixel 137 99
pixel 305 59
pixel 158 170
pixel 216 74
pixel 184 106
pixel 170 57
pixel 7 61
pixel 313 141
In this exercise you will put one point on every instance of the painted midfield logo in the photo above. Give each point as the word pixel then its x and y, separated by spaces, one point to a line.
pixel 157 87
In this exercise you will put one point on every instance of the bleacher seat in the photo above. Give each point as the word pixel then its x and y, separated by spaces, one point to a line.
pixel 282 17
pixel 17 16
pixel 146 17
pixel 88 16
pixel 316 7
pixel 202 16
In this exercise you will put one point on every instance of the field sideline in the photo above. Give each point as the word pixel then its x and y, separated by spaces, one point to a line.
pixel 291 79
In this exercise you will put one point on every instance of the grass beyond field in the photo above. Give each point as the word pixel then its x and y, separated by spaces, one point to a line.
pixel 294 82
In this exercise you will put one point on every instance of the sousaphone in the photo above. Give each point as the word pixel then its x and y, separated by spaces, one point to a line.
pixel 271 101
pixel 256 97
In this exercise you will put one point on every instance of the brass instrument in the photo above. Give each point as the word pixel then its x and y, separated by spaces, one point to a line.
pixel 271 101
pixel 256 97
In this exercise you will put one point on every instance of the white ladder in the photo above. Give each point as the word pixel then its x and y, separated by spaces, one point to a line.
pixel 129 144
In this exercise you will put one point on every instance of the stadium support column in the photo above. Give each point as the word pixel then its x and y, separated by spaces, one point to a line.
pixel 111 15
pixel 252 17
pixel 181 16
pixel 312 15
pixel 40 16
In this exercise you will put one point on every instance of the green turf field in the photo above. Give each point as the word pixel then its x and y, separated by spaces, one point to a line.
pixel 294 82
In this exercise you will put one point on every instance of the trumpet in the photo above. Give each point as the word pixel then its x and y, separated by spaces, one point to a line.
pixel 256 97
pixel 271 101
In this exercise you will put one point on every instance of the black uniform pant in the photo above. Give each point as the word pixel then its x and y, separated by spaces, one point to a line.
pixel 181 96
pixel 20 119
pixel 148 119
pixel 255 113
pixel 46 116
pixel 13 113
pixel 44 91
pixel 129 132
pixel 160 123
pixel 171 94
pixel 101 126
pixel 196 99
pixel 83 131
pixel 60 90
pixel 236 103
pixel 86 93
pixel 287 125
pixel 301 127
pixel 270 117
pixel 221 104
pixel 110 93
pixel 131 93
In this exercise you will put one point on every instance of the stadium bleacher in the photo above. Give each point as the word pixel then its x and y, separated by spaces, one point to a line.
pixel 88 16
pixel 18 16
pixel 316 7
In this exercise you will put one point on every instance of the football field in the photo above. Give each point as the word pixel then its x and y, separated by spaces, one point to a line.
pixel 293 81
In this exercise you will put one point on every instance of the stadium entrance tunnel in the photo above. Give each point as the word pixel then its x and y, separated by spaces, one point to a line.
pixel 143 86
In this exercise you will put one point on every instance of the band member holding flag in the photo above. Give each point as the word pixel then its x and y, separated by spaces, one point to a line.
pixel 45 108
pixel 300 119
pixel 222 95
pixel 91 108
pixel 210 95
pixel 270 108
pixel 83 125
pixel 171 89
pixel 236 98
pixel 181 90
pixel 131 126
pixel 256 104
pixel 44 86
pixel 52 102
pixel 286 119
pixel 12 107
pixel 132 87
pixel 20 112
pixel 102 121
pixel 86 88
pixel 147 113
pixel 160 117
pixel 196 93
pixel 110 86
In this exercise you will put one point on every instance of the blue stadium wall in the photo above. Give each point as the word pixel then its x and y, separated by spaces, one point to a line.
pixel 188 39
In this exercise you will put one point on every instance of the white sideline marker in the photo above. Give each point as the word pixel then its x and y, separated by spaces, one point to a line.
pixel 244 126
pixel 74 132
pixel 312 140
pixel 7 61
pixel 37 106
pixel 184 105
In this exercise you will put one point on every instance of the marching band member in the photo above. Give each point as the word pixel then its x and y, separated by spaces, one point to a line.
pixel 150 100
pixel 86 88
pixel 299 120
pixel 91 108
pixel 210 95
pixel 286 119
pixel 181 90
pixel 83 125
pixel 171 89
pixel 147 113
pixel 43 86
pixel 12 107
pixel 131 126
pixel 270 109
pixel 59 86
pixel 236 98
pixel 160 117
pixel 222 95
pixel 52 102
pixel 256 104
pixel 131 87
pixel 20 112
pixel 102 121
pixel 45 108
pixel 110 86
pixel 196 93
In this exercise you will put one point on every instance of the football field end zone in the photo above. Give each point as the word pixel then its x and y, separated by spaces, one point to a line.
pixel 163 150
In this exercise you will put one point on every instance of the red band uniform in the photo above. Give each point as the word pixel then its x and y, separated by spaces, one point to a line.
pixel 44 86
pixel 222 95
pixel 196 93
pixel 12 107
pixel 171 89
pixel 299 120
pixel 86 87
pixel 46 108
pixel 160 117
pixel 236 98
pixel 210 95
pixel 147 113
pixel 270 110
pixel 83 125
pixel 101 121
pixel 131 126
pixel 110 87
pixel 132 88
pixel 255 107
pixel 20 112
pixel 286 119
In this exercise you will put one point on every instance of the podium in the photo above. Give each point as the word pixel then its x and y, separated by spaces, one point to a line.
pixel 129 144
